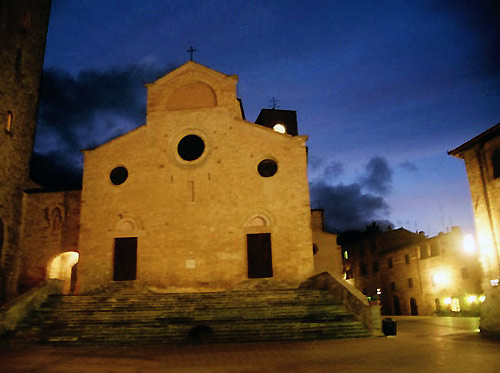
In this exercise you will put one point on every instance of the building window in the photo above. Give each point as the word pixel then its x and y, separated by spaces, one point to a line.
pixel 364 270
pixel 8 124
pixel 410 282
pixel 465 273
pixel 315 249
pixel 375 266
pixel 434 249
pixel 393 286
pixel 495 160
pixel 407 259
pixel 346 254
pixel 118 175
pixel 267 168
pixel 424 252
pixel 389 263
pixel 191 147
pixel 373 247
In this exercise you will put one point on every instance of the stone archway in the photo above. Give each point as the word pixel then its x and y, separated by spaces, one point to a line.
pixel 63 267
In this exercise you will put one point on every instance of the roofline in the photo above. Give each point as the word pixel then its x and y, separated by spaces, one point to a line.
pixel 482 137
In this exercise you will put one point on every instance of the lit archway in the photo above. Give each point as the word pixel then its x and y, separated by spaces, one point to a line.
pixel 63 267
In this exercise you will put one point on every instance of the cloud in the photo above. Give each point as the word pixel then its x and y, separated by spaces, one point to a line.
pixel 89 109
pixel 71 106
pixel 347 207
pixel 408 166
pixel 378 177
pixel 321 169
pixel 55 170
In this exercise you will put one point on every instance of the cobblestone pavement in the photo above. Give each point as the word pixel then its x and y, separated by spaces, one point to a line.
pixel 427 344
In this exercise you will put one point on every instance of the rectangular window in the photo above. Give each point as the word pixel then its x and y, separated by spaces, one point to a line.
pixel 8 124
pixel 375 266
pixel 389 263
pixel 364 270
pixel 424 252
pixel 393 286
pixel 410 282
pixel 407 259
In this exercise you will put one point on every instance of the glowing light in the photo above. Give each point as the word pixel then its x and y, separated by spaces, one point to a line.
pixel 441 278
pixel 469 244
pixel 278 127
pixel 447 300
pixel 455 305
pixel 482 298
pixel 379 291
pixel 471 298
pixel 494 282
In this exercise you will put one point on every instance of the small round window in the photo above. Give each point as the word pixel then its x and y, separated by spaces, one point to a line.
pixel 191 147
pixel 118 175
pixel 267 168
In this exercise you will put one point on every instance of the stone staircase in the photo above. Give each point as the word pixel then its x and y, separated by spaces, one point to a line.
pixel 124 314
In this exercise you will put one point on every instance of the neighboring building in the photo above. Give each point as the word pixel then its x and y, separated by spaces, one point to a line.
pixel 482 161
pixel 327 253
pixel 23 30
pixel 413 274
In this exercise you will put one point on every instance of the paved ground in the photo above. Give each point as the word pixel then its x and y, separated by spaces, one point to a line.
pixel 422 344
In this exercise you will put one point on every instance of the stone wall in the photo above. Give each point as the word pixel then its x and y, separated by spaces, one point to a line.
pixel 191 218
pixel 23 26
pixel 51 226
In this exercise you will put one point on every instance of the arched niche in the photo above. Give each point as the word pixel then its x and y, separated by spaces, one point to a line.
pixel 128 225
pixel 62 267
pixel 195 95
pixel 258 223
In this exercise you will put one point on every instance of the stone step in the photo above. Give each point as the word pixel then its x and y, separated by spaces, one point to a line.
pixel 134 316
pixel 183 333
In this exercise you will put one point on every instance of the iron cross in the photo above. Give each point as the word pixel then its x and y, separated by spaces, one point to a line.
pixel 274 103
pixel 191 50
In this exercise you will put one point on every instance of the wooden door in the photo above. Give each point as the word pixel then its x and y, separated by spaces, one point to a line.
pixel 260 263
pixel 125 259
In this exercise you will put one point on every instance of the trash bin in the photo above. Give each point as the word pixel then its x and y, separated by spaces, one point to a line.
pixel 389 326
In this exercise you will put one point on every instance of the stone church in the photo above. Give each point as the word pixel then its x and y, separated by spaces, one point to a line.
pixel 198 197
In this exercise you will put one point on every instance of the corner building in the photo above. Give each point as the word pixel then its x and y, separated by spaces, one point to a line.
pixel 23 30
pixel 198 198
pixel 482 162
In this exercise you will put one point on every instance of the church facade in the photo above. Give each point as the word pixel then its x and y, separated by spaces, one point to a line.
pixel 197 198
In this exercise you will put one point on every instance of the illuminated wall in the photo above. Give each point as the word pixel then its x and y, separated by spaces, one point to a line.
pixel 482 161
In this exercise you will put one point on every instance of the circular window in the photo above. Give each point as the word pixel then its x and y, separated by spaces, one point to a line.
pixel 267 168
pixel 118 175
pixel 190 147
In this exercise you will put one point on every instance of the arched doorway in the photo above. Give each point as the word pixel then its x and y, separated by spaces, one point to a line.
pixel 63 267
pixel 397 307
pixel 413 307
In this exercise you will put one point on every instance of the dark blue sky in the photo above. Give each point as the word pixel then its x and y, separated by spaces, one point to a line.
pixel 382 88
